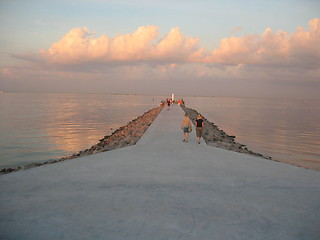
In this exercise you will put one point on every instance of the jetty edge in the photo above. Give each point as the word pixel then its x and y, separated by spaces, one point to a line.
pixel 216 137
pixel 130 134
pixel 122 137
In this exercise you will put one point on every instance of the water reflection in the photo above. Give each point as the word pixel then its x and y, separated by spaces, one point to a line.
pixel 286 129
pixel 38 127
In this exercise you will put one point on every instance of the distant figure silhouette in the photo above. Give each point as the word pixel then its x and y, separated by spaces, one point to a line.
pixel 168 104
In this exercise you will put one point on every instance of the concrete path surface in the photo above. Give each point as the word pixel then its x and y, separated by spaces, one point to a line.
pixel 162 188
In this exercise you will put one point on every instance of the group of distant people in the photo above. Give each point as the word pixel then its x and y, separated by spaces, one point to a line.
pixel 169 102
pixel 180 102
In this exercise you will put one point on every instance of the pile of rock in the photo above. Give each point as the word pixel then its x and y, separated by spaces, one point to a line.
pixel 213 136
pixel 122 137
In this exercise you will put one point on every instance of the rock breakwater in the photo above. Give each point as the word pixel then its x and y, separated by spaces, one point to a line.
pixel 122 137
pixel 213 136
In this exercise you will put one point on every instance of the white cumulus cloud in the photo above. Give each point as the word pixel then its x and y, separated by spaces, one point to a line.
pixel 300 49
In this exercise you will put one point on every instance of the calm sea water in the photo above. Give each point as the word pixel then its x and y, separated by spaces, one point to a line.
pixel 39 127
pixel 285 129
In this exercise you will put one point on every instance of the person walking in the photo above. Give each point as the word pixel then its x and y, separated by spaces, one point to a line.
pixel 199 127
pixel 186 127
pixel 168 104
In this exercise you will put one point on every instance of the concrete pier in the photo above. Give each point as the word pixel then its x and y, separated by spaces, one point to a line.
pixel 162 188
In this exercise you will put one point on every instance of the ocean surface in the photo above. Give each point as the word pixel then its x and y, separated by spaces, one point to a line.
pixel 38 127
pixel 288 130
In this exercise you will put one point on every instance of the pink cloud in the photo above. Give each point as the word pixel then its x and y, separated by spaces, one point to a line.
pixel 83 61
pixel 280 48
pixel 80 46
pixel 271 48
pixel 6 72
pixel 175 46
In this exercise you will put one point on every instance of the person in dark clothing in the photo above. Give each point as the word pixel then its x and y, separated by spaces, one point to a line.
pixel 168 104
pixel 199 127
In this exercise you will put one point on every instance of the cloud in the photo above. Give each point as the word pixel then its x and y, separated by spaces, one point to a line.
pixel 301 49
pixel 6 72
pixel 144 60
pixel 80 46
pixel 282 49
pixel 236 29
pixel 175 47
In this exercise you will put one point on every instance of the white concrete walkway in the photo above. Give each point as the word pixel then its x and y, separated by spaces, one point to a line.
pixel 162 188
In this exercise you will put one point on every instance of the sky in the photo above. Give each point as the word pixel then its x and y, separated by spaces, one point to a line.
pixel 230 48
